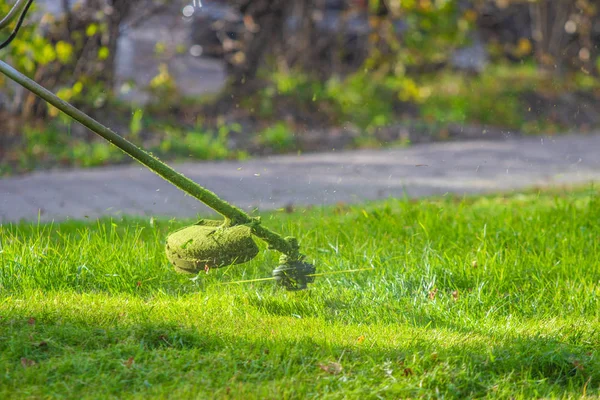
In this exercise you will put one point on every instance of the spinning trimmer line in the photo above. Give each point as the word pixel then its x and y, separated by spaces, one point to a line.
pixel 208 243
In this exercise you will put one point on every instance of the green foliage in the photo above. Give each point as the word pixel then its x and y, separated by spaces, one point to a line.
pixel 71 61
pixel 358 99
pixel 403 76
pixel 136 124
pixel 434 29
pixel 53 146
pixel 408 67
pixel 28 43
pixel 196 144
pixel 278 137
pixel 163 87
pixel 482 297
pixel 369 97
pixel 491 98
pixel 87 92
pixel 30 50
pixel 494 97
pixel 361 100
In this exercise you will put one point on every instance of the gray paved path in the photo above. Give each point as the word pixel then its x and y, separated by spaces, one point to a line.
pixel 421 170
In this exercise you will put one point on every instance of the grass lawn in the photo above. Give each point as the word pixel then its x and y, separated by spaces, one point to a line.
pixel 493 296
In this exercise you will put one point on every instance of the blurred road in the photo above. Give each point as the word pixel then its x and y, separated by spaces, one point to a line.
pixel 311 179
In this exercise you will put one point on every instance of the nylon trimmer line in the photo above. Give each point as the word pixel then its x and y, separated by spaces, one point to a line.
pixel 206 244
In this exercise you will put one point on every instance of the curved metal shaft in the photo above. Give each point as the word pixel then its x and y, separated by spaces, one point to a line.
pixel 13 14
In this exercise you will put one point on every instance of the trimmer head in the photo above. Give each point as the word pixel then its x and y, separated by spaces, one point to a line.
pixel 210 244
pixel 294 275
pixel 214 244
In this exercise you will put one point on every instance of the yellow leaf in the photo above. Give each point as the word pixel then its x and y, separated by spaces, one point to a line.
pixel 524 47
pixel 160 48
pixel 77 87
pixel 91 30
pixel 64 51
pixel 65 94
pixel 103 53
pixel 53 111
pixel 28 65
pixel 47 54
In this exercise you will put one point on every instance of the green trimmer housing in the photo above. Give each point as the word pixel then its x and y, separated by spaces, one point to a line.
pixel 208 244
pixel 212 244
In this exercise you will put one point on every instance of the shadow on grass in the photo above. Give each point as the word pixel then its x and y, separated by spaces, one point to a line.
pixel 69 355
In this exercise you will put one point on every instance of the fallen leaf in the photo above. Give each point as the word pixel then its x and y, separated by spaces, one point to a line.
pixel 129 362
pixel 432 294
pixel 31 321
pixel 408 372
pixel 332 368
pixel 455 295
pixel 27 363
pixel 578 365
pixel 360 339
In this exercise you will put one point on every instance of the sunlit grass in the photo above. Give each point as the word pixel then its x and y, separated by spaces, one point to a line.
pixel 489 296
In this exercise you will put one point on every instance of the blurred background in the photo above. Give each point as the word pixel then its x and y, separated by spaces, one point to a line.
pixel 230 79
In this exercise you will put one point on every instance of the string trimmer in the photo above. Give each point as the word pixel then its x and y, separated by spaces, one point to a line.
pixel 206 244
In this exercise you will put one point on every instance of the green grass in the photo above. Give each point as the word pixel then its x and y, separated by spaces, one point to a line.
pixel 497 96
pixel 54 145
pixel 481 297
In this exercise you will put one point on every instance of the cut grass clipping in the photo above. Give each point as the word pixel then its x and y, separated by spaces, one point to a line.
pixel 489 296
